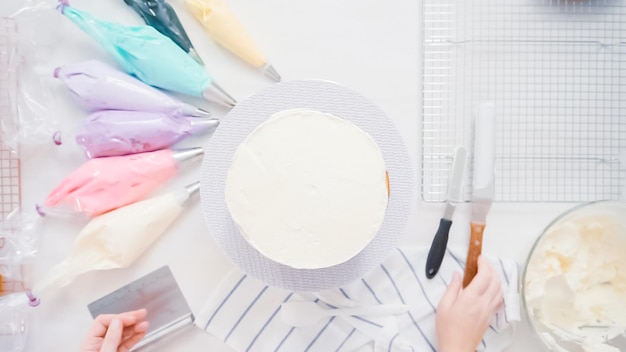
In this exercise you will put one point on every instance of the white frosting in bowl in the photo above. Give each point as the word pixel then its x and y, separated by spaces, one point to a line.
pixel 575 280
pixel 307 189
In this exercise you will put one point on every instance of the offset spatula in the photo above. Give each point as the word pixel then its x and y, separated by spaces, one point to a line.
pixel 482 184
pixel 440 241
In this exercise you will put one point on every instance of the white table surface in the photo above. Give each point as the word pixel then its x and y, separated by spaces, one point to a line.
pixel 370 46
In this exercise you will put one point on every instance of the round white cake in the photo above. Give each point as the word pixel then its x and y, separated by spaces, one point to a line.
pixel 307 189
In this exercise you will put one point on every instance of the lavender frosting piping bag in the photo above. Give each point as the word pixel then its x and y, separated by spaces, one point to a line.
pixel 150 56
pixel 98 86
pixel 115 133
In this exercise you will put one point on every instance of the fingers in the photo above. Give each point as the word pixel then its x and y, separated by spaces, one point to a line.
pixel 138 334
pixel 102 321
pixel 496 295
pixel 501 303
pixel 140 314
pixel 452 292
pixel 106 319
pixel 483 278
pixel 98 329
pixel 487 286
pixel 129 343
pixel 116 329
pixel 134 329
pixel 113 336
pixel 495 286
pixel 127 318
pixel 141 327
pixel 493 293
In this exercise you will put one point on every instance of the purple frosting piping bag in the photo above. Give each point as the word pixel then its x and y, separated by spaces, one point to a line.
pixel 150 56
pixel 114 133
pixel 98 86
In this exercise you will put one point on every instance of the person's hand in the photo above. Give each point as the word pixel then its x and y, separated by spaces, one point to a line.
pixel 115 332
pixel 463 315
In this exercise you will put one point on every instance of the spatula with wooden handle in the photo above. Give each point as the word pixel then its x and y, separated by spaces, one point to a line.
pixel 482 184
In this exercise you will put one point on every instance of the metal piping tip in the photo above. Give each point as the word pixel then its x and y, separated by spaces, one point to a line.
pixel 190 110
pixel 271 72
pixel 188 155
pixel 194 55
pixel 185 195
pixel 200 112
pixel 193 188
pixel 200 124
pixel 216 94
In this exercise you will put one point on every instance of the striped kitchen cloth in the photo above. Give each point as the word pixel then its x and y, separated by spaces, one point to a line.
pixel 245 313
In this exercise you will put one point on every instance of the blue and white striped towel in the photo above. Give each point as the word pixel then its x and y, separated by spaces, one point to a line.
pixel 244 312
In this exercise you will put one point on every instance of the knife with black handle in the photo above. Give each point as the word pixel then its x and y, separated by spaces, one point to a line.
pixel 440 241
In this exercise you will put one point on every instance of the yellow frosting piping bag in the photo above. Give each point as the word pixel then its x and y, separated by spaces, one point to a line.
pixel 223 27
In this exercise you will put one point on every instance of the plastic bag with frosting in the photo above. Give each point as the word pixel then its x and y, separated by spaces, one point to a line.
pixel 116 239
pixel 104 184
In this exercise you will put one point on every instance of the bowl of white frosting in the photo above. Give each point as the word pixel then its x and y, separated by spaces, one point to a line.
pixel 574 283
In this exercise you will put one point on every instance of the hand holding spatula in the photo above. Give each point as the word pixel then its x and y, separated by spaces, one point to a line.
pixel 482 184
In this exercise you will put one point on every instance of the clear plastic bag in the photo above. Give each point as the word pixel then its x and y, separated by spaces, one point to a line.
pixel 14 316
pixel 104 184
pixel 19 238
pixel 98 86
pixel 116 239
pixel 33 35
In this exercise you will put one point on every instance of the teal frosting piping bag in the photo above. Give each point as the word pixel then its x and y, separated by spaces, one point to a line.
pixel 150 56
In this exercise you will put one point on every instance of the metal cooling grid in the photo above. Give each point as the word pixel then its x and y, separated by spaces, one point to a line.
pixel 10 191
pixel 557 73
pixel 15 284
pixel 10 194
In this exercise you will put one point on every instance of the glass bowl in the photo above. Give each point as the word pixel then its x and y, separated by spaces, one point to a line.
pixel 574 281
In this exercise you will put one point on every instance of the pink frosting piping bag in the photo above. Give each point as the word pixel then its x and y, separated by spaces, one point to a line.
pixel 103 184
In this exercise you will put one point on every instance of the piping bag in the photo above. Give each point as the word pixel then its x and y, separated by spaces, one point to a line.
pixel 222 26
pixel 98 86
pixel 116 239
pixel 150 56
pixel 104 184
pixel 114 133
pixel 160 15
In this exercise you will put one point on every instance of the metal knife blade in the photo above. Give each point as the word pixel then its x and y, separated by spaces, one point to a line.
pixel 440 241
pixel 482 184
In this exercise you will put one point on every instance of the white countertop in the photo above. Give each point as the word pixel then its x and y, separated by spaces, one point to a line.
pixel 369 46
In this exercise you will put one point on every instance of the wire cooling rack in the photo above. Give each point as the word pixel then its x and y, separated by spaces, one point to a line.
pixel 556 71
pixel 10 194
pixel 12 278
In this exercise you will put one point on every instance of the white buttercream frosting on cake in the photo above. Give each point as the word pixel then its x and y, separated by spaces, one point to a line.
pixel 307 189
